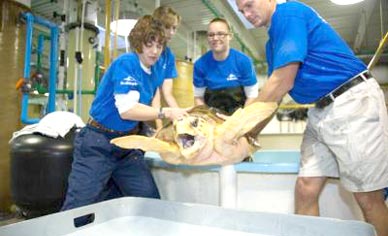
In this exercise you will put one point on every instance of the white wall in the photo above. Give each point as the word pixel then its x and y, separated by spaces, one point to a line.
pixel 381 73
pixel 280 141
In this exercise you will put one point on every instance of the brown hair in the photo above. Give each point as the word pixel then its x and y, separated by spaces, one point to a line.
pixel 218 19
pixel 166 15
pixel 146 30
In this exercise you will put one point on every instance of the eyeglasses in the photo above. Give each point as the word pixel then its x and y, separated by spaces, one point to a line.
pixel 220 35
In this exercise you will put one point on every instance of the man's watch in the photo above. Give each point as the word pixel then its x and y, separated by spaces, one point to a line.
pixel 161 114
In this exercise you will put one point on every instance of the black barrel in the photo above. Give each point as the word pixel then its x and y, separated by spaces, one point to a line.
pixel 40 166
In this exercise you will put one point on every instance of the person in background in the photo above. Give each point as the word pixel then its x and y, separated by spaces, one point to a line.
pixel 347 131
pixel 170 21
pixel 223 77
pixel 123 100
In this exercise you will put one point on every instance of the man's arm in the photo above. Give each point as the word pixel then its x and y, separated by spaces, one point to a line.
pixel 279 84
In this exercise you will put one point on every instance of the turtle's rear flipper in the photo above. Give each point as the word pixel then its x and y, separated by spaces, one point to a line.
pixel 148 144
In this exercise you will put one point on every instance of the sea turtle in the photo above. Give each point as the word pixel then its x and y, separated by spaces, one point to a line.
pixel 203 138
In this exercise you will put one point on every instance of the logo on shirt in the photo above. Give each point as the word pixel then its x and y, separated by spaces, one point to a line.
pixel 129 81
pixel 231 77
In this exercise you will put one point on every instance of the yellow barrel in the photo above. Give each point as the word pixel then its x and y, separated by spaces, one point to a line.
pixel 12 46
pixel 183 85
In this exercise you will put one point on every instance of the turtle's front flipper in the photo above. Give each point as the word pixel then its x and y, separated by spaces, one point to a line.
pixel 245 120
pixel 165 149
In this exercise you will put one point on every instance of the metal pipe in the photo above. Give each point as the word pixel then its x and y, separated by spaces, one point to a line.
pixel 381 19
pixel 61 101
pixel 75 82
pixel 189 41
pixel 97 71
pixel 39 51
pixel 79 59
pixel 41 21
pixel 27 60
pixel 66 91
pixel 116 18
pixel 195 46
pixel 30 20
pixel 107 33
pixel 228 186
pixel 62 46
pixel 53 68
pixel 53 58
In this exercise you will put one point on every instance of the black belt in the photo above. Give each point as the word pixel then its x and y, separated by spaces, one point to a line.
pixel 329 98
pixel 100 127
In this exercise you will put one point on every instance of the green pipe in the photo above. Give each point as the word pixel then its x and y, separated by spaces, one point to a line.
pixel 38 62
pixel 42 90
pixel 97 71
pixel 65 91
pixel 41 38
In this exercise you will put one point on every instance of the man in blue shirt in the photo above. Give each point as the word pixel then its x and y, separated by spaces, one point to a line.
pixel 223 77
pixel 347 130
pixel 123 99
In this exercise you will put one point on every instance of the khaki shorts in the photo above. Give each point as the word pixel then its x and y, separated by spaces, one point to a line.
pixel 349 139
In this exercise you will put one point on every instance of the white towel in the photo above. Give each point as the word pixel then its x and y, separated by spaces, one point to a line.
pixel 54 124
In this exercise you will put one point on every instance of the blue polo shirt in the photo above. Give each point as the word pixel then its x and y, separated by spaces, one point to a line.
pixel 298 34
pixel 167 63
pixel 236 70
pixel 123 75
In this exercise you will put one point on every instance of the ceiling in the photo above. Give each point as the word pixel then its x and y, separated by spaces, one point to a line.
pixel 361 25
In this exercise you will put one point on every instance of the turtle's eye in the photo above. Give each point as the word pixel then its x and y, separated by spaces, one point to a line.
pixel 194 123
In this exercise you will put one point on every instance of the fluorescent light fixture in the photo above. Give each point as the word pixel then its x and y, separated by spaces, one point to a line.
pixel 345 2
pixel 242 18
pixel 123 26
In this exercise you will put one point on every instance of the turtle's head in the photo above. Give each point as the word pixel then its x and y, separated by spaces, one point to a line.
pixel 192 133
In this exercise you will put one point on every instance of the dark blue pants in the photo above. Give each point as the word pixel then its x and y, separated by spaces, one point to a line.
pixel 97 164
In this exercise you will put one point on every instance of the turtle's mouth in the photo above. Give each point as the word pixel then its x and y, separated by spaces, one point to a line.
pixel 186 140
